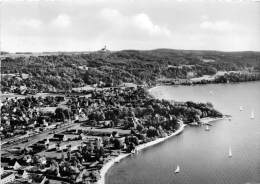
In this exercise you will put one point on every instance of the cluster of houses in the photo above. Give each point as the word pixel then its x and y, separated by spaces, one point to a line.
pixel 23 117
pixel 104 123
pixel 72 156
pixel 17 83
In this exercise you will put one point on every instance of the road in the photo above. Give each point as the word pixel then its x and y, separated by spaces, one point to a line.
pixel 35 138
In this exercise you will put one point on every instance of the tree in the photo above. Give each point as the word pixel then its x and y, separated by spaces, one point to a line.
pixel 66 113
pixel 139 127
pixel 117 143
pixel 59 114
pixel 131 112
pixel 152 132
pixel 150 110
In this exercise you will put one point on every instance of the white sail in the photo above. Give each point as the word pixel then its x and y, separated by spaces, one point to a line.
pixel 241 108
pixel 207 128
pixel 177 170
pixel 252 114
pixel 229 152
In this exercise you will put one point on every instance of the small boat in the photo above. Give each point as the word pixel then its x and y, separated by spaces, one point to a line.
pixel 211 92
pixel 252 114
pixel 177 170
pixel 241 108
pixel 207 128
pixel 117 161
pixel 229 152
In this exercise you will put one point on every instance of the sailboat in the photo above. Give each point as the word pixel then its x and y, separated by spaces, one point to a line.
pixel 229 152
pixel 177 170
pixel 252 114
pixel 207 128
pixel 241 108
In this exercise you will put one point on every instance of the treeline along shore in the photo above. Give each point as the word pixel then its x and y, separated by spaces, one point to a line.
pixel 52 72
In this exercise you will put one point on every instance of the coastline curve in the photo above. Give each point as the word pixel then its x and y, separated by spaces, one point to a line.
pixel 110 163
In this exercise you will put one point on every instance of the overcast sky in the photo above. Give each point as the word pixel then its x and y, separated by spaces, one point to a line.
pixel 129 24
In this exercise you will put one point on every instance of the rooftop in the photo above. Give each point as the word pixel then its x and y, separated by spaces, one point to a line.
pixel 6 174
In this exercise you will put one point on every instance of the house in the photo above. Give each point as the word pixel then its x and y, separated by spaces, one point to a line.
pixel 43 160
pixel 7 177
pixel 121 139
pixel 1 170
pixel 17 166
pixel 97 141
pixel 106 123
pixel 61 147
pixel 46 144
pixel 50 145
pixel 25 175
pixel 60 98
pixel 44 141
pixel 31 178
pixel 60 137
pixel 22 89
pixel 24 76
pixel 129 85
pixel 190 74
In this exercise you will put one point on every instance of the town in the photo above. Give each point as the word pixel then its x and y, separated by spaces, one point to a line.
pixel 67 138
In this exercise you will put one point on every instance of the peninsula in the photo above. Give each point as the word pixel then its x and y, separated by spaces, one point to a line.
pixel 75 138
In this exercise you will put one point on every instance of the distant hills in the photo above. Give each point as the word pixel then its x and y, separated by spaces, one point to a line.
pixel 64 70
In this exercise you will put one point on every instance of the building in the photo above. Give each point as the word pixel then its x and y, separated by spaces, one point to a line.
pixel 17 166
pixel 1 170
pixel 60 137
pixel 7 177
pixel 95 140
pixel 47 144
pixel 106 123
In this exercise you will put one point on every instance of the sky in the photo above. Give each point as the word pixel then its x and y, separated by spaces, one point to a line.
pixel 88 25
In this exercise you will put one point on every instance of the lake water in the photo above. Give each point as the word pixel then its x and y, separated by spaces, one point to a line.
pixel 202 155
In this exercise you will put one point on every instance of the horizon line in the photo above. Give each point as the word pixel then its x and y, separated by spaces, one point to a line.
pixel 89 51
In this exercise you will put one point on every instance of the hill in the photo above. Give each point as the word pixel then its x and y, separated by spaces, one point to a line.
pixel 64 71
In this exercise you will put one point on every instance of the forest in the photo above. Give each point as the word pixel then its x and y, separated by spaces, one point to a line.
pixel 65 71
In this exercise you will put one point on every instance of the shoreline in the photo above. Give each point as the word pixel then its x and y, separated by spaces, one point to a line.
pixel 121 156
pixel 207 120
